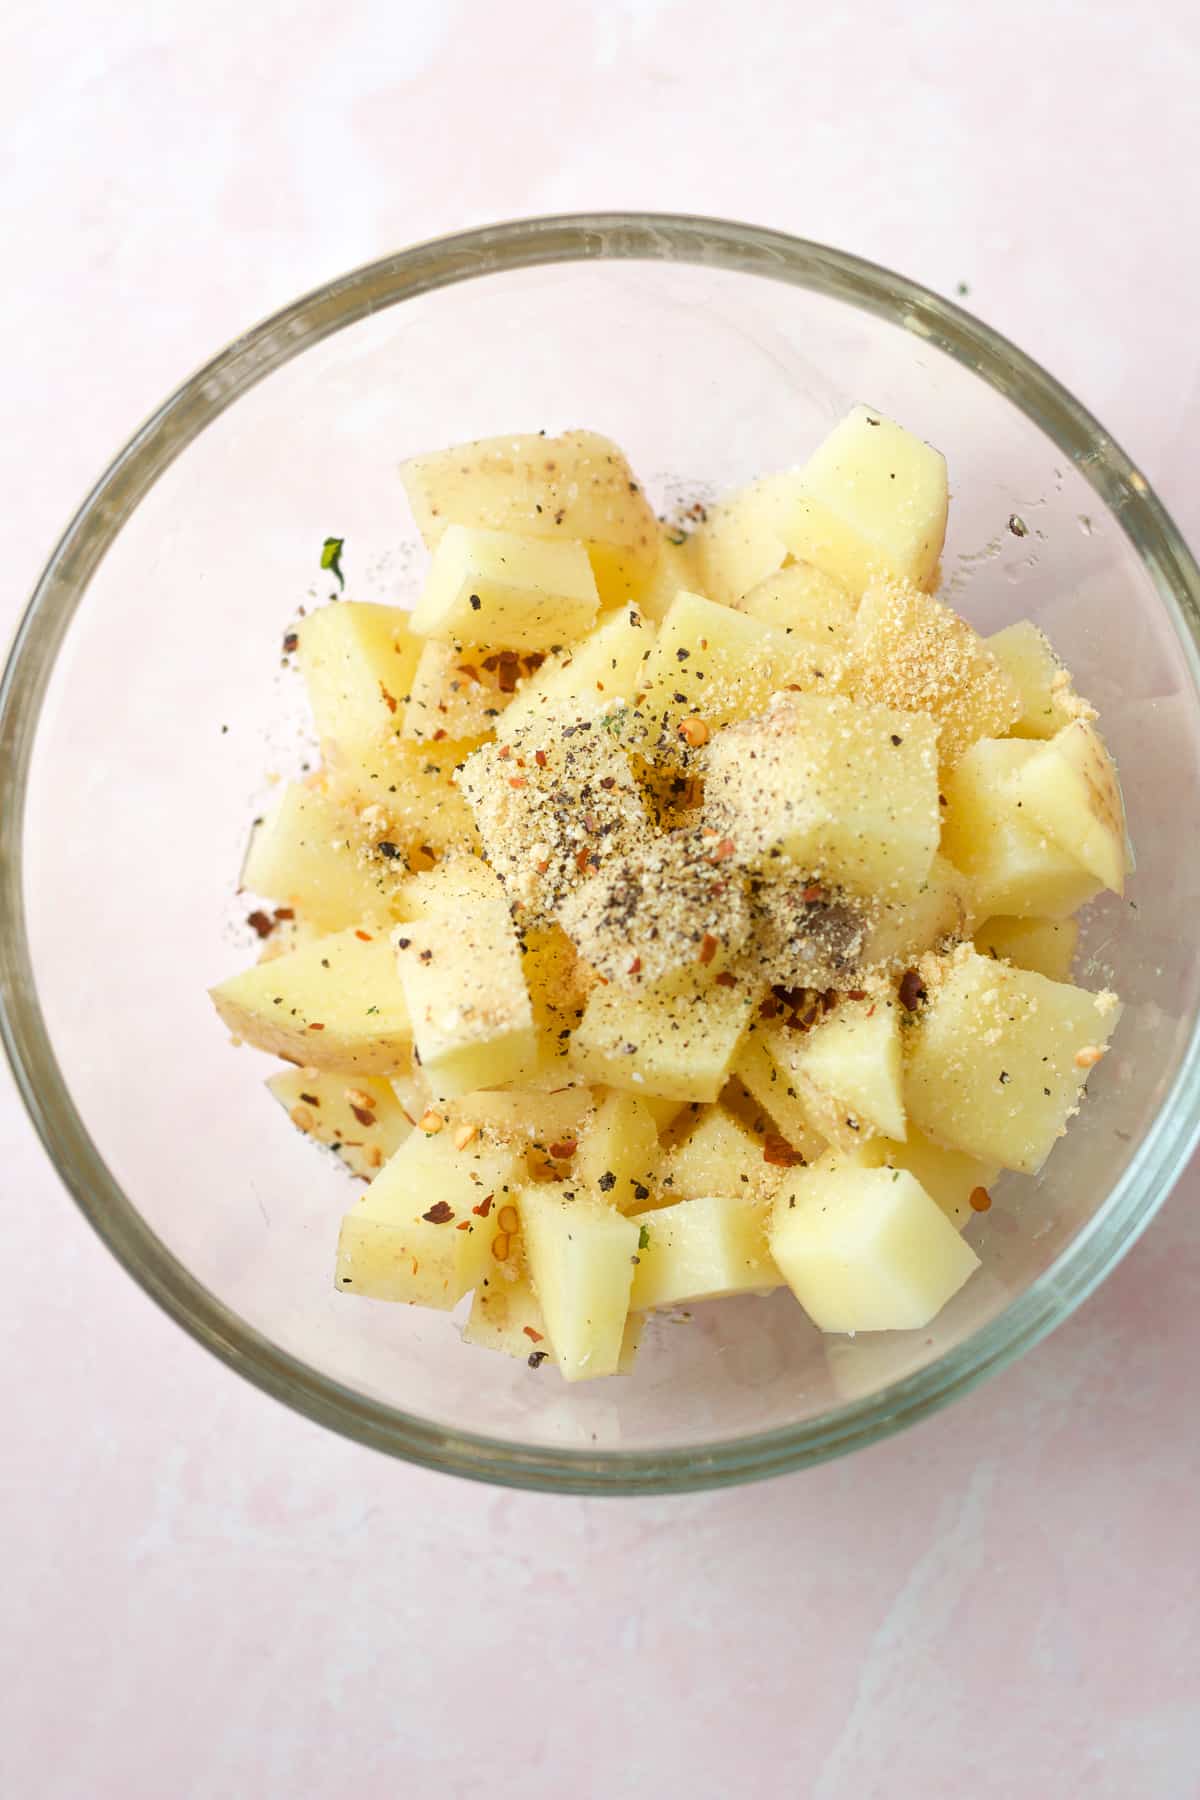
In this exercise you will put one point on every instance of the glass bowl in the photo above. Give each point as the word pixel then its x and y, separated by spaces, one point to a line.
pixel 145 704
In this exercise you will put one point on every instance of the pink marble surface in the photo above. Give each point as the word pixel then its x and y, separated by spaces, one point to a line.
pixel 206 1596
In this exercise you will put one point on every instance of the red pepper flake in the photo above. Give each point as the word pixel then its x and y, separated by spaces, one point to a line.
pixel 813 893
pixel 517 781
pixel 608 782
pixel 536 1336
pixel 725 979
pixel 591 822
pixel 440 1213
pixel 463 1225
pixel 262 923
pixel 311 1099
pixel 389 700
pixel 770 1008
pixel 540 758
pixel 285 912
pixel 980 1199
pixel 364 936
pixel 708 947
pixel 440 734
pixel 586 859
pixel 484 1207
pixel 507 670
pixel 779 1153
pixel 856 994
pixel 725 849
pixel 362 1115
pixel 315 1027
pixel 563 1149
pixel 635 967
pixel 470 671
pixel 912 990
pixel 505 750
pixel 291 641
pixel 541 866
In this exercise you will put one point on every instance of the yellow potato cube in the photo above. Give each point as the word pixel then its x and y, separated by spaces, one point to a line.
pixel 530 1114
pixel 359 1116
pixel 871 500
pixel 805 600
pixel 677 1039
pixel 404 793
pixel 677 567
pixel 558 985
pixel 584 680
pixel 912 652
pixel 334 1004
pixel 618 1151
pixel 499 588
pixel 719 1155
pixel 663 1112
pixel 866 1249
pixel 581 1258
pixel 710 660
pixel 505 1314
pixel 1048 701
pixel 849 793
pixel 949 1177
pixel 998 1057
pixel 896 932
pixel 456 694
pixel 1069 789
pixel 357 661
pixel 851 1067
pixel 460 968
pixel 577 486
pixel 415 1235
pixel 309 853
pixel 1045 945
pixel 1014 866
pixel 740 543
pixel 702 1249
pixel 763 1066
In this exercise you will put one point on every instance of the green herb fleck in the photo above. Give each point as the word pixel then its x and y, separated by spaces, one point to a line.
pixel 643 1239
pixel 677 537
pixel 331 558
pixel 372 1009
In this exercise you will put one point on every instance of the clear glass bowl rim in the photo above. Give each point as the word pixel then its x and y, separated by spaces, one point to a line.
pixel 515 245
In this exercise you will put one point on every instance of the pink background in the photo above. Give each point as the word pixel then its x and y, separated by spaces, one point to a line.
pixel 206 1596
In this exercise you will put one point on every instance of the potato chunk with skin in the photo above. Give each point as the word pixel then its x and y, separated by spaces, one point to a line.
pixel 553 807
pixel 310 854
pixel 575 487
pixel 739 544
pixel 581 1258
pixel 998 1057
pixel 851 1065
pixel 618 1151
pixel 1013 865
pixel 666 905
pixel 912 652
pixel 1045 945
pixel 871 500
pixel 357 661
pixel 334 1004
pixel 1048 700
pixel 849 793
pixel 460 967
pixel 499 588
pixel 710 660
pixel 676 1040
pixel 1069 788
pixel 702 1249
pixel 578 683
pixel 416 1235
pixel 358 1116
pixel 866 1249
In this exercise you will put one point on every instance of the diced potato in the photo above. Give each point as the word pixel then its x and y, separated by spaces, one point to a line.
pixel 529 1114
pixel 551 808
pixel 1013 865
pixel 866 1249
pixel 335 1004
pixel 663 1112
pixel 912 652
pixel 1044 945
pixel 1069 789
pixel 577 486
pixel 948 1176
pixel 719 1155
pixel 404 793
pixel 415 1235
pixel 505 1315
pixel 998 1057
pixel 805 600
pixel 702 1249
pixel 578 683
pixel 558 985
pixel 310 853
pixel 710 660
pixel 357 661
pixel 358 1116
pixel 899 931
pixel 460 967
pixel 740 543
pixel 849 793
pixel 455 696
pixel 851 1065
pixel 618 1151
pixel 763 1065
pixel 678 566
pixel 580 1253
pixel 677 1039
pixel 498 587
pixel 871 500
pixel 1048 701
